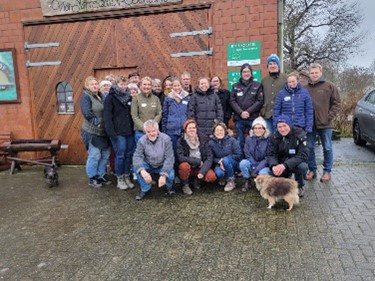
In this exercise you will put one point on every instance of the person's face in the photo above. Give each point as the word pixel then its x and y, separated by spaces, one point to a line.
pixel 219 132
pixel 315 74
pixel 215 82
pixel 122 85
pixel 176 86
pixel 186 81
pixel 168 85
pixel 146 87
pixel 273 67
pixel 151 133
pixel 191 130
pixel 203 85
pixel 133 92
pixel 259 130
pixel 105 88
pixel 283 128
pixel 156 87
pixel 246 74
pixel 93 86
pixel 292 82
pixel 134 79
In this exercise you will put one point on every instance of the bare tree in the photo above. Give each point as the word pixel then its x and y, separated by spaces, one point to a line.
pixel 320 31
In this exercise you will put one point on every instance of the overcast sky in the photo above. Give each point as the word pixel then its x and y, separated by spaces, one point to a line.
pixel 368 47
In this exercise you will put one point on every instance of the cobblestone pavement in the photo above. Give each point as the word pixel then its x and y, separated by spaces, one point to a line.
pixel 73 232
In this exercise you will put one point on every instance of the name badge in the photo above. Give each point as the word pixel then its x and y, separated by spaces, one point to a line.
pixel 129 103
pixel 287 99
pixel 239 94
pixel 184 102
pixel 143 104
pixel 292 151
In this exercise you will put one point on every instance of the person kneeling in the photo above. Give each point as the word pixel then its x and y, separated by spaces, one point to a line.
pixel 154 155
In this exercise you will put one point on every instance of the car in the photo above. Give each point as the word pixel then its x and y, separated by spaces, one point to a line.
pixel 364 120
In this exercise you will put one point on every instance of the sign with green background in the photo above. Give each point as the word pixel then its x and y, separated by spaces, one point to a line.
pixel 243 52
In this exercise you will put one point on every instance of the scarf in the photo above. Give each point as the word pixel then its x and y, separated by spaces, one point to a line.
pixel 193 147
pixel 121 94
pixel 178 96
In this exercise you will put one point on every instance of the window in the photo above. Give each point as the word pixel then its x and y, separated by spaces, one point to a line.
pixel 65 101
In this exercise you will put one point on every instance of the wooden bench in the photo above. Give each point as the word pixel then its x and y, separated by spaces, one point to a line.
pixel 4 137
pixel 12 148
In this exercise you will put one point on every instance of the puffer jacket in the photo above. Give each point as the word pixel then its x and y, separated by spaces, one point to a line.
pixel 255 151
pixel 228 146
pixel 174 115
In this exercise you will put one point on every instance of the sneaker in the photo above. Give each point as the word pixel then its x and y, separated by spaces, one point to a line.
pixel 170 192
pixel 222 182
pixel 93 182
pixel 104 180
pixel 128 182
pixel 229 186
pixel 141 195
pixel 186 189
pixel 301 191
pixel 197 184
pixel 121 184
pixel 310 175
pixel 326 177
pixel 246 186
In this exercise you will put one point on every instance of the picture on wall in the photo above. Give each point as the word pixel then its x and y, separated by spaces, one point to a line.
pixel 8 77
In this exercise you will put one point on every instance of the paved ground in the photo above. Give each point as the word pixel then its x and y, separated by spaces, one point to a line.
pixel 73 232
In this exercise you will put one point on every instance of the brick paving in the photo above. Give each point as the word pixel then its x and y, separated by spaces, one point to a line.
pixel 73 232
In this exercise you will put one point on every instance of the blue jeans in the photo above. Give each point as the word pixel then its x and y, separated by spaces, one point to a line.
pixel 326 139
pixel 174 139
pixel 156 171
pixel 137 135
pixel 269 124
pixel 96 164
pixel 241 126
pixel 124 148
pixel 230 166
pixel 246 168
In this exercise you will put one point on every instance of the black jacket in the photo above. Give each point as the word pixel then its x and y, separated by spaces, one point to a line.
pixel 224 96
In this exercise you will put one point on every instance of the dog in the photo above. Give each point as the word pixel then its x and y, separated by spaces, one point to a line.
pixel 50 176
pixel 274 189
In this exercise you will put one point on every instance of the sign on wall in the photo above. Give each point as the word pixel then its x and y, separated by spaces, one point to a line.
pixel 243 52
pixel 65 7
pixel 234 76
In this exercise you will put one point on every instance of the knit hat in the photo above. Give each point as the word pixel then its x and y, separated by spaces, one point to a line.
pixel 283 119
pixel 246 65
pixel 259 121
pixel 133 74
pixel 105 82
pixel 189 121
pixel 274 58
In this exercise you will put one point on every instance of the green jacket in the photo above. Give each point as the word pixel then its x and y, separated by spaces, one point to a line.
pixel 145 108
pixel 271 86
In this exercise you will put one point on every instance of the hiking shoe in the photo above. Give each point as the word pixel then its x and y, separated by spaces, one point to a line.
pixel 128 182
pixel 326 177
pixel 246 186
pixel 197 184
pixel 141 195
pixel 301 191
pixel 310 175
pixel 186 189
pixel 222 182
pixel 121 184
pixel 170 192
pixel 93 182
pixel 229 186
pixel 104 180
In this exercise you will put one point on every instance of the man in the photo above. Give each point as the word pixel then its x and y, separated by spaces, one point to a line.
pixel 271 84
pixel 154 155
pixel 134 78
pixel 326 101
pixel 246 100
pixel 186 82
pixel 287 153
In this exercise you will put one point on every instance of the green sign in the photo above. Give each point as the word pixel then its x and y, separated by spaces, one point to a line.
pixel 243 52
pixel 234 77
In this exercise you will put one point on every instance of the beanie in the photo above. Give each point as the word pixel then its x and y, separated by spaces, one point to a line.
pixel 283 119
pixel 189 121
pixel 246 65
pixel 274 58
pixel 259 121
pixel 105 82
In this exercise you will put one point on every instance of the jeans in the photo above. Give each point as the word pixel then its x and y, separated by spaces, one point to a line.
pixel 96 164
pixel 241 126
pixel 326 139
pixel 156 171
pixel 269 124
pixel 174 139
pixel 246 168
pixel 230 166
pixel 137 136
pixel 124 148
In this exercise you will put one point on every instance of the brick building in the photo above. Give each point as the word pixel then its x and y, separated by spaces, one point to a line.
pixel 56 44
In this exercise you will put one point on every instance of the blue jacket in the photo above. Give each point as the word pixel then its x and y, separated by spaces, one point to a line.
pixel 228 146
pixel 297 105
pixel 174 115
pixel 255 150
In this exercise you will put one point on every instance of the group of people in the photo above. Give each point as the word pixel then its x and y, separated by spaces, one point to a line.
pixel 172 130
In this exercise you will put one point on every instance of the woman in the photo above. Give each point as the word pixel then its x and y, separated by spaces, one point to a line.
pixel 205 107
pixel 105 86
pixel 145 106
pixel 93 133
pixel 256 144
pixel 224 96
pixel 167 85
pixel 194 158
pixel 119 127
pixel 227 154
pixel 295 102
pixel 175 108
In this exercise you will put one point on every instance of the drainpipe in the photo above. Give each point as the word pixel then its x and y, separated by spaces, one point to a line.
pixel 280 32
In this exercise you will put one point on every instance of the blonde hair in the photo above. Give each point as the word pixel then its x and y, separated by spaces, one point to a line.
pixel 88 79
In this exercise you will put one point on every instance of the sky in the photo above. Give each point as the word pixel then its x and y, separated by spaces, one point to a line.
pixel 368 56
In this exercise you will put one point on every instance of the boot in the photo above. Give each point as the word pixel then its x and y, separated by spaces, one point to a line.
pixel 121 184
pixel 246 186
pixel 230 185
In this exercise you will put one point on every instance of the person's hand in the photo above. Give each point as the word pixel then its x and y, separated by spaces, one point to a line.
pixel 245 115
pixel 162 181
pixel 200 176
pixel 146 176
pixel 221 165
pixel 278 169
